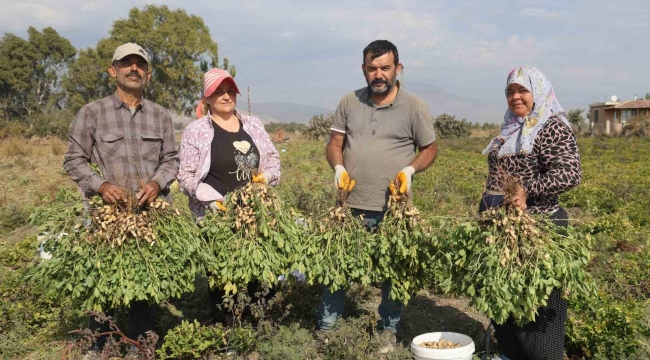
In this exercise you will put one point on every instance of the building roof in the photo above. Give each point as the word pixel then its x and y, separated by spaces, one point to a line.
pixel 638 104
pixel 607 103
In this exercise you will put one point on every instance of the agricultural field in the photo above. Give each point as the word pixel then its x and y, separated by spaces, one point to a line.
pixel 612 205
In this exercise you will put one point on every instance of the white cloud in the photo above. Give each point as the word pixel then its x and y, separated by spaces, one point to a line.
pixel 586 47
pixel 543 13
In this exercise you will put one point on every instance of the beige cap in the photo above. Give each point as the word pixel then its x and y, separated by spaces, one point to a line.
pixel 130 49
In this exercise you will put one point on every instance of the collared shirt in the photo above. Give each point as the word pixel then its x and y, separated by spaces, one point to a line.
pixel 380 141
pixel 130 146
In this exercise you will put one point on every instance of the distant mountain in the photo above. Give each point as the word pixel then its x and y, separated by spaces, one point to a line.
pixel 285 112
pixel 441 101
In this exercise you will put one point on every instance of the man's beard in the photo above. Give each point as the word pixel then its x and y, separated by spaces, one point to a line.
pixel 386 90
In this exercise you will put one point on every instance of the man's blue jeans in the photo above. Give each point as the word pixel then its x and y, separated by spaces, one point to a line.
pixel 332 303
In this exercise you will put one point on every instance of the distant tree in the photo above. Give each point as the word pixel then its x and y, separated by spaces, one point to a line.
pixel 447 126
pixel 576 118
pixel 291 127
pixel 180 49
pixel 87 79
pixel 31 72
pixel 647 96
pixel 490 126
pixel 319 125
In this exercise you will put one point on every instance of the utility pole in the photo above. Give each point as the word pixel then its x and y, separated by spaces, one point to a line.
pixel 248 88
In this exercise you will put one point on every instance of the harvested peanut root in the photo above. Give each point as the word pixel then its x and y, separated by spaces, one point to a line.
pixel 516 231
pixel 442 344
pixel 119 222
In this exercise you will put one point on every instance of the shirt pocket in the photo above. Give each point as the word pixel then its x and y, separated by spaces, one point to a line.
pixel 113 145
pixel 151 147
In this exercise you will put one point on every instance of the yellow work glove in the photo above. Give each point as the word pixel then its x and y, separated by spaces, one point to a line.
pixel 261 178
pixel 217 206
pixel 404 178
pixel 342 179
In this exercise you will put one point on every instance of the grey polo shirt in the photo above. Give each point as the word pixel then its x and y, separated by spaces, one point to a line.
pixel 380 141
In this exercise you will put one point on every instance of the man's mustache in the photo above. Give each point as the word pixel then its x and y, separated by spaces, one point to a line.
pixel 133 73
pixel 379 81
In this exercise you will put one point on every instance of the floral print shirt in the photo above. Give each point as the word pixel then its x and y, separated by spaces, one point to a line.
pixel 195 157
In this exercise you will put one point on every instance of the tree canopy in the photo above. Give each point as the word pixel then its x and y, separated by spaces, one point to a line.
pixel 45 72
pixel 31 71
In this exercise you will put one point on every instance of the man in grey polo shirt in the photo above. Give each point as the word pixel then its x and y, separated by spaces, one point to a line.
pixel 132 141
pixel 375 134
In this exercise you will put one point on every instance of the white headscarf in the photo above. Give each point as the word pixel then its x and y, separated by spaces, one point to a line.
pixel 518 133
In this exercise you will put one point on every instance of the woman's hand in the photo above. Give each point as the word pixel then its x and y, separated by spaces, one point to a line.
pixel 261 178
pixel 217 206
pixel 518 199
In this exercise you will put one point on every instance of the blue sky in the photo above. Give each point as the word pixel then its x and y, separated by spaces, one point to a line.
pixel 310 53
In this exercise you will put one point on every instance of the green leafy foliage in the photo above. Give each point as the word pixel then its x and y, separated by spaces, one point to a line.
pixel 512 275
pixel 191 340
pixel 601 327
pixel 87 78
pixel 289 343
pixel 403 254
pixel 30 72
pixel 256 239
pixel 340 250
pixel 355 339
pixel 99 275
pixel 180 49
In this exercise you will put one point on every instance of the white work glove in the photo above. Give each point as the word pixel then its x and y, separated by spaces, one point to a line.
pixel 339 170
pixel 404 177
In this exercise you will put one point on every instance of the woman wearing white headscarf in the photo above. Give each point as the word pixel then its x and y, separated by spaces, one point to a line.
pixel 538 148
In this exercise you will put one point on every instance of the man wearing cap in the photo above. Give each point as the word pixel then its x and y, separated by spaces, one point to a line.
pixel 375 133
pixel 132 141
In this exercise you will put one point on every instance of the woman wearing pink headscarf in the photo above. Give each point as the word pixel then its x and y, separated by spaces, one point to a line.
pixel 223 149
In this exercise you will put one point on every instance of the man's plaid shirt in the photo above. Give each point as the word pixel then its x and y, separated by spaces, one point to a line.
pixel 129 149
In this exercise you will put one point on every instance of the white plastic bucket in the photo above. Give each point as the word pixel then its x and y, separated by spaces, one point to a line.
pixel 463 353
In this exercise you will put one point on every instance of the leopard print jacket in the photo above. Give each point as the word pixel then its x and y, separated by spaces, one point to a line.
pixel 551 168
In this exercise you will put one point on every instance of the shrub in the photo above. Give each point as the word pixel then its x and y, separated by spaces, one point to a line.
pixel 352 339
pixel 448 127
pixel 638 126
pixel 289 343
pixel 603 328
pixel 52 123
pixel 11 129
pixel 13 216
pixel 191 340
pixel 319 125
